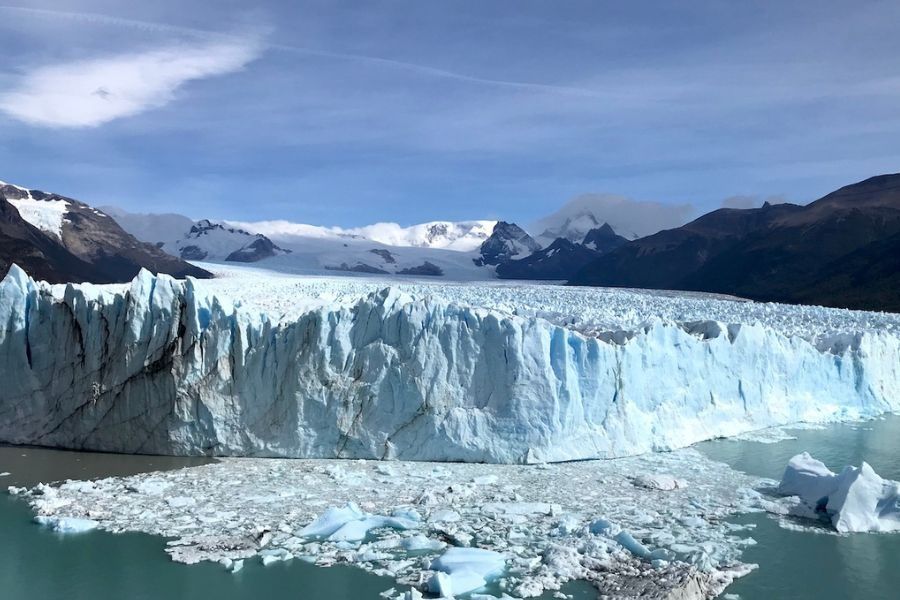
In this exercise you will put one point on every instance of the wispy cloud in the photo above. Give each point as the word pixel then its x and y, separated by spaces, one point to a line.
pixel 88 93
pixel 365 59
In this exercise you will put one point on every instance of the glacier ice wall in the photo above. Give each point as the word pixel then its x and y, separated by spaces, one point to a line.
pixel 160 368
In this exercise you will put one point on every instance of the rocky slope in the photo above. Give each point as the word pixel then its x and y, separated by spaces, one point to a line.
pixel 74 241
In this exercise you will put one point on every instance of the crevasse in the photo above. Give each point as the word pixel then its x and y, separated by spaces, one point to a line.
pixel 160 368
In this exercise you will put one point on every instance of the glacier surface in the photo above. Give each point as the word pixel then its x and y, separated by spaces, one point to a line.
pixel 299 367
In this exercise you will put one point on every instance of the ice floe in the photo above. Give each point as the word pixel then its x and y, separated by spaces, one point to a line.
pixel 855 500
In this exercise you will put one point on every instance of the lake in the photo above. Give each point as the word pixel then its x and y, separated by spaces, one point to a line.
pixel 38 564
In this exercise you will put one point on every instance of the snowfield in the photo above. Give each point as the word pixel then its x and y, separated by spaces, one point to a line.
pixel 272 365
pixel 446 528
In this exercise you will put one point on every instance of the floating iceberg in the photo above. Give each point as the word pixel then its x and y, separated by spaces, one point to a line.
pixel 855 500
pixel 463 570
pixel 165 366
pixel 67 524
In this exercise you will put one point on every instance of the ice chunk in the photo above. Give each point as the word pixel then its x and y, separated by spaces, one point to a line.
pixel 444 515
pixel 67 524
pixel 808 478
pixel 356 531
pixel 332 520
pixel 632 545
pixel 274 555
pixel 5 474
pixel 350 524
pixel 659 481
pixel 462 570
pixel 180 501
pixel 420 542
pixel 856 500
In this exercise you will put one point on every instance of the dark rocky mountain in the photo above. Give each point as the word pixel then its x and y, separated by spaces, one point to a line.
pixel 563 258
pixel 506 242
pixel 60 239
pixel 558 261
pixel 842 250
pixel 603 239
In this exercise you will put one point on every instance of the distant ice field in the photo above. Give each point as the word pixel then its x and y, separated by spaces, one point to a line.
pixel 589 310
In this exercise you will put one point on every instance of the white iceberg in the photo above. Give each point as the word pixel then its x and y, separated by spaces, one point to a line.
pixel 67 524
pixel 855 500
pixel 350 524
pixel 463 570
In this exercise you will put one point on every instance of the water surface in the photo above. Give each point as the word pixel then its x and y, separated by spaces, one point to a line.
pixel 804 565
pixel 38 564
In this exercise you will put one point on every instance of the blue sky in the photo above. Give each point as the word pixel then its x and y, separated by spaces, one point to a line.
pixel 346 113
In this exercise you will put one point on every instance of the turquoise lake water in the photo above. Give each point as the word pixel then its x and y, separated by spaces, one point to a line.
pixel 802 565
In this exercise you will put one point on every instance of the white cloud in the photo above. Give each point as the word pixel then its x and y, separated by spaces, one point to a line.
pixel 89 93
pixel 628 217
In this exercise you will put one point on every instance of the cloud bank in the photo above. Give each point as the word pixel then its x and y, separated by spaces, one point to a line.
pixel 89 93
pixel 628 217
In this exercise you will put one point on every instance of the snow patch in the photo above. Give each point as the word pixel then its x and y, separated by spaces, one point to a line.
pixel 46 215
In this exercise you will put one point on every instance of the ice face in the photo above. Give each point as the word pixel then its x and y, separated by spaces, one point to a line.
pixel 164 367
pixel 856 500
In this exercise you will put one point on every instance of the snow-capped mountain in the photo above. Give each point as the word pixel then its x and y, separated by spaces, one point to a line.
pixel 66 240
pixel 438 248
pixel 461 236
pixel 206 240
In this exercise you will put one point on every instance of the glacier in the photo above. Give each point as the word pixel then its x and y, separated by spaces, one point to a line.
pixel 165 366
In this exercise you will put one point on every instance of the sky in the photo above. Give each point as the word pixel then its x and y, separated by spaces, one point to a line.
pixel 348 113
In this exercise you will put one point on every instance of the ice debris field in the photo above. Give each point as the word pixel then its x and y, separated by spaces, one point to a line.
pixel 646 526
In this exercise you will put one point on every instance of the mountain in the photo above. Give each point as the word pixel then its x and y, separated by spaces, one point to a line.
pixel 842 250
pixel 206 240
pixel 562 259
pixel 41 255
pixel 558 261
pixel 603 239
pixel 460 236
pixel 435 249
pixel 65 240
pixel 507 242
